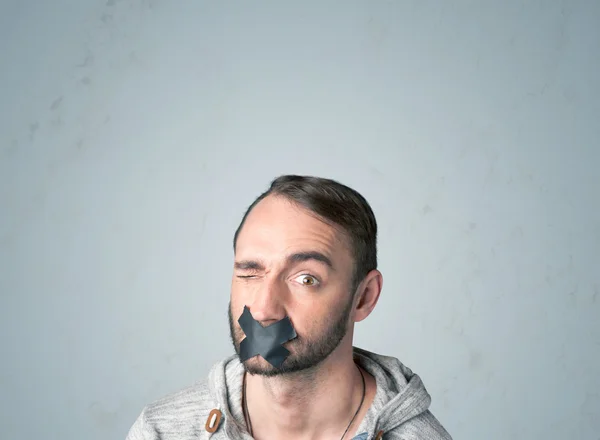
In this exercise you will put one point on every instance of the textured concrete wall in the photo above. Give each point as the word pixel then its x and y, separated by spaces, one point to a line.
pixel 133 134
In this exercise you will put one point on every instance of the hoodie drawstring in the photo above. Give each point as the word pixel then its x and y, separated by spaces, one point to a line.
pixel 213 420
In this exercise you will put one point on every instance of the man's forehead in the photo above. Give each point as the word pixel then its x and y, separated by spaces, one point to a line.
pixel 277 222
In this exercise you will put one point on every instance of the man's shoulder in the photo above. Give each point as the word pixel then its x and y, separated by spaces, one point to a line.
pixel 184 402
pixel 424 426
pixel 175 415
pixel 183 413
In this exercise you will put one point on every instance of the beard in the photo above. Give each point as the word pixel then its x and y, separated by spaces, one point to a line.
pixel 306 353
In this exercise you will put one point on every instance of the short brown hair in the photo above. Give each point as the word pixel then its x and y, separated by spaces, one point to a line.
pixel 335 203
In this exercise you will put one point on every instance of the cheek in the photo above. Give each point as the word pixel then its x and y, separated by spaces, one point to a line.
pixel 323 315
pixel 310 325
pixel 242 294
pixel 236 308
pixel 236 299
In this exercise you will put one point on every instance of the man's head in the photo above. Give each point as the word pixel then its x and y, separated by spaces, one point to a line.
pixel 306 249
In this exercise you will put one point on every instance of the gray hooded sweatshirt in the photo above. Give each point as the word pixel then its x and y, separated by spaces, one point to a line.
pixel 399 409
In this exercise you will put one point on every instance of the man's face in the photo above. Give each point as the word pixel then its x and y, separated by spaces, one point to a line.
pixel 289 263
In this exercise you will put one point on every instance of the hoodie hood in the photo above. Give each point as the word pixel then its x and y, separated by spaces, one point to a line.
pixel 400 397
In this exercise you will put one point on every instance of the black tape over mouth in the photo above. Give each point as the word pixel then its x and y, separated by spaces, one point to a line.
pixel 265 341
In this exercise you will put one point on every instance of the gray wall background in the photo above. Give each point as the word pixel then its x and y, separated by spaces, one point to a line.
pixel 134 133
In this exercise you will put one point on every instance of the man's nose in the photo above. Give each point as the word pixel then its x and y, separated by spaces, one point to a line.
pixel 267 304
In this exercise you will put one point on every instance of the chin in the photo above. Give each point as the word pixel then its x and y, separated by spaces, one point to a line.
pixel 258 366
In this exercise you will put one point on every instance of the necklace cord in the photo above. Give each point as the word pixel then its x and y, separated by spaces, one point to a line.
pixel 364 387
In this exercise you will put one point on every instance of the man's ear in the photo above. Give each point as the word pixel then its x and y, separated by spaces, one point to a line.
pixel 368 295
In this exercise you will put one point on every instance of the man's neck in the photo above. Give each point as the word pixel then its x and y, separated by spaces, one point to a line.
pixel 317 404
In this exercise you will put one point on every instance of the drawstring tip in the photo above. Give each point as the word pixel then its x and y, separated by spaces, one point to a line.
pixel 213 420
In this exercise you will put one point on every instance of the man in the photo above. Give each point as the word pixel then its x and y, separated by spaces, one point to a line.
pixel 305 271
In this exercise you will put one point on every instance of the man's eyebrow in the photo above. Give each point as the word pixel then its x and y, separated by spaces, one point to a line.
pixel 301 257
pixel 249 265
pixel 298 257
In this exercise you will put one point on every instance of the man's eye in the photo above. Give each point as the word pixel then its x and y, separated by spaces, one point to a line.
pixel 307 280
pixel 246 276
